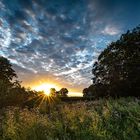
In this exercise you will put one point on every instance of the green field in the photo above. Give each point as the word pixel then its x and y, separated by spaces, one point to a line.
pixel 103 119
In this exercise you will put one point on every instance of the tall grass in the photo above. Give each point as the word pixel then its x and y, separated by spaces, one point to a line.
pixel 98 120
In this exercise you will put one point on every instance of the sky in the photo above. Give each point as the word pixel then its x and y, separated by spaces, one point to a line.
pixel 57 41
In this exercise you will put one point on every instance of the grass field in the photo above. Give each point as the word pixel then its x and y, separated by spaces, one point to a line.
pixel 102 119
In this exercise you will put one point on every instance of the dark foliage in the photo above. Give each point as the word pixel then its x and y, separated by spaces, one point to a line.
pixel 6 72
pixel 63 92
pixel 11 92
pixel 116 72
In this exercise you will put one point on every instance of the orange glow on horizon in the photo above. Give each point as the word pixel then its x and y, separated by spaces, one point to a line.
pixel 45 87
pixel 75 94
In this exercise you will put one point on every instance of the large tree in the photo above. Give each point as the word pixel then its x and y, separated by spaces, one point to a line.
pixel 117 70
pixel 7 75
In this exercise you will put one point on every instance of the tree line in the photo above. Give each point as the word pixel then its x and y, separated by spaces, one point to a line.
pixel 13 94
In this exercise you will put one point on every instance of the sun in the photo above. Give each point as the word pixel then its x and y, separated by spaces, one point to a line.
pixel 45 87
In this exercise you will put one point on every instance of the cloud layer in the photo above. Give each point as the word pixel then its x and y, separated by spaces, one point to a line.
pixel 60 40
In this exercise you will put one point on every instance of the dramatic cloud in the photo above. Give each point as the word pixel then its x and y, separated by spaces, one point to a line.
pixel 59 40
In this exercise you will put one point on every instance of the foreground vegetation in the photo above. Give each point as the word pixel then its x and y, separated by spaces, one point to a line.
pixel 100 120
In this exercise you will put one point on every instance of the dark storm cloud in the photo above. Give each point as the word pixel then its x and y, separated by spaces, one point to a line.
pixel 61 39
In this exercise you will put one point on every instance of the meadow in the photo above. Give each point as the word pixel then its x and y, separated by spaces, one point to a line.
pixel 103 119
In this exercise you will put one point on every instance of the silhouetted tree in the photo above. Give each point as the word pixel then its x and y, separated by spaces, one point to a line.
pixel 6 71
pixel 63 92
pixel 85 92
pixel 7 75
pixel 53 92
pixel 11 91
pixel 116 72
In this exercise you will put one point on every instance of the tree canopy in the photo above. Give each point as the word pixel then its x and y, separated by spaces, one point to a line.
pixel 63 92
pixel 6 71
pixel 116 72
